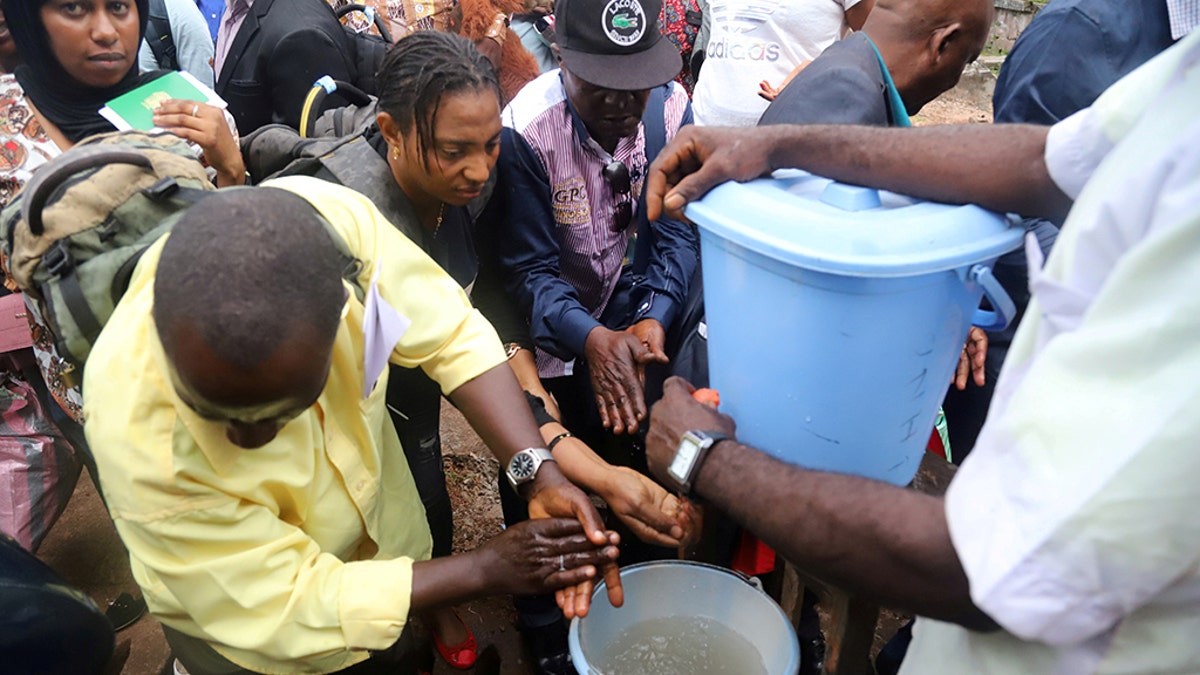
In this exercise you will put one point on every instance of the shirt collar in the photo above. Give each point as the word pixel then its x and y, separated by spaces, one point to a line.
pixel 1184 15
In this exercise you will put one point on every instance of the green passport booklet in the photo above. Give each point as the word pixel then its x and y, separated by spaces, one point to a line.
pixel 135 109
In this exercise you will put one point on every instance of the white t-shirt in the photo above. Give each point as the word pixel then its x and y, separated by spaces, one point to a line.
pixel 758 40
pixel 1076 517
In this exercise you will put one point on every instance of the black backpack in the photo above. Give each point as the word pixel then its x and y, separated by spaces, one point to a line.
pixel 160 38
pixel 366 50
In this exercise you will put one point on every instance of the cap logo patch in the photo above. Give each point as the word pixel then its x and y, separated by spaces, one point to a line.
pixel 624 22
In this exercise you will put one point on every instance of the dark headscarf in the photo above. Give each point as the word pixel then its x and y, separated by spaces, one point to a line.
pixel 70 106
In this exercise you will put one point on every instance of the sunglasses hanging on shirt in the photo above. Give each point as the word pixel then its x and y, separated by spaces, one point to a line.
pixel 616 174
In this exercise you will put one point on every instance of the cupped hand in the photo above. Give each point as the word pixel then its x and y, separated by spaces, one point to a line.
pixel 699 158
pixel 973 359
pixel 205 125
pixel 554 496
pixel 675 414
pixel 651 512
pixel 616 363
pixel 539 556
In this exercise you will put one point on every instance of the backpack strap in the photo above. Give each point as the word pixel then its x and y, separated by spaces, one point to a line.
pixel 356 164
pixel 656 138
pixel 166 188
pixel 315 100
pixel 159 36
pixel 46 182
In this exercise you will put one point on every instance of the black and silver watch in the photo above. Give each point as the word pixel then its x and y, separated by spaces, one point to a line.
pixel 689 455
pixel 524 465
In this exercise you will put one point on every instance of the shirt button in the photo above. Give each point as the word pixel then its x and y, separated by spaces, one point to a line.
pixel 596 255
pixel 361 485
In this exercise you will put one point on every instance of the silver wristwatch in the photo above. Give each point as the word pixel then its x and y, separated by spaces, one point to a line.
pixel 689 455
pixel 524 465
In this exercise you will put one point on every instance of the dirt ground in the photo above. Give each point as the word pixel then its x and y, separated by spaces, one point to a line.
pixel 952 109
pixel 84 548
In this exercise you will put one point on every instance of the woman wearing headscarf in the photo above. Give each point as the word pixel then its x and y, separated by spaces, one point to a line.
pixel 38 467
pixel 80 54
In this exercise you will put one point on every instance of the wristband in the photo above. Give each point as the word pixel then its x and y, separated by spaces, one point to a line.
pixel 538 407
pixel 554 441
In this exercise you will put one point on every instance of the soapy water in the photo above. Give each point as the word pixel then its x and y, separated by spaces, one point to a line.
pixel 680 645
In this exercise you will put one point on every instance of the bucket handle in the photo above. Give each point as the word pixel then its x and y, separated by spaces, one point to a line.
pixel 995 293
pixel 753 582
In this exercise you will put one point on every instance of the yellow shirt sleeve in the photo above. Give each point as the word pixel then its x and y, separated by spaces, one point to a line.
pixel 235 564
pixel 448 338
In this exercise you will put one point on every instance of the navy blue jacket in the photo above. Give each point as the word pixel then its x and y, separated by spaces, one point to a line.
pixel 1074 50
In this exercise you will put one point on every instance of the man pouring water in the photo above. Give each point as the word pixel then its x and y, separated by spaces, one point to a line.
pixel 1067 542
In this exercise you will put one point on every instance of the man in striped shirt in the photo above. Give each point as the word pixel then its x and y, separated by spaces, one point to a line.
pixel 572 167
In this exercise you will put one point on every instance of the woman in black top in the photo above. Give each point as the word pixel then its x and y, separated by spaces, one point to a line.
pixel 426 164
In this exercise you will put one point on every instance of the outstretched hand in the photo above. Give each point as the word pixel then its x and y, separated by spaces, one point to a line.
pixel 616 363
pixel 538 556
pixel 653 514
pixel 700 158
pixel 556 497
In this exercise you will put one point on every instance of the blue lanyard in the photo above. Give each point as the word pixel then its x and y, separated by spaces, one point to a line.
pixel 899 112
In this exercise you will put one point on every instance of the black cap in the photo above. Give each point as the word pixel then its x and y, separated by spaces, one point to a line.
pixel 615 44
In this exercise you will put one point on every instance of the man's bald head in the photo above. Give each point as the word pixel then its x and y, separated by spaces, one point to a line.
pixel 927 43
pixel 247 275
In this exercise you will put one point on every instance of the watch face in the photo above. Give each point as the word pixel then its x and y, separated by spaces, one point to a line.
pixel 521 467
pixel 685 454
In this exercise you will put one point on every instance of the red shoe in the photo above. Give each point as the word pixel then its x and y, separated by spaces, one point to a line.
pixel 462 655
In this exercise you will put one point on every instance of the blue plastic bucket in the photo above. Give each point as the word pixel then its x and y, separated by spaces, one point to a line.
pixel 836 315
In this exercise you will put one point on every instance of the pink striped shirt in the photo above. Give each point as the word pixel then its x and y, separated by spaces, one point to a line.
pixel 582 204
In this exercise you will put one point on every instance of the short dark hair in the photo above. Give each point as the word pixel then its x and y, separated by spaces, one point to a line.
pixel 421 68
pixel 247 268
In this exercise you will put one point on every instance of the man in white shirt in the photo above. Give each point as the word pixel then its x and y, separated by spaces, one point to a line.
pixel 763 41
pixel 1068 541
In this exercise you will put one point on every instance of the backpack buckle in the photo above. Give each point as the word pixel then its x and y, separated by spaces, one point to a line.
pixel 57 260
pixel 163 189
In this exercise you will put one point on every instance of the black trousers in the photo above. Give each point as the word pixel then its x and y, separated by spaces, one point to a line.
pixel 414 402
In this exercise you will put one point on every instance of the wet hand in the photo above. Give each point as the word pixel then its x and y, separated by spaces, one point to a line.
pixel 539 556
pixel 205 125
pixel 651 512
pixel 553 496
pixel 616 363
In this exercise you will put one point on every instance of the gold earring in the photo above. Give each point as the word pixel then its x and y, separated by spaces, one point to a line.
pixel 395 152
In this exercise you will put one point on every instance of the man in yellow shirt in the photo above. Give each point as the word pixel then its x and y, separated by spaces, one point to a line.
pixel 235 403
